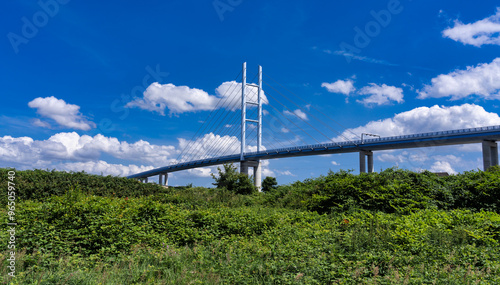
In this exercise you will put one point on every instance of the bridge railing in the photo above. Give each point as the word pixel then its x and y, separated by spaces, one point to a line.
pixel 357 143
pixel 340 144
pixel 383 139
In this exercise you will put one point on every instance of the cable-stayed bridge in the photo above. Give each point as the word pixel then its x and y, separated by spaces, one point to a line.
pixel 235 131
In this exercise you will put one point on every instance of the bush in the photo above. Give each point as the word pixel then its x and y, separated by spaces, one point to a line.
pixel 269 184
pixel 233 181
pixel 40 185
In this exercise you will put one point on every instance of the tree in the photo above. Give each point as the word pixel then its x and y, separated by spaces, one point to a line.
pixel 269 184
pixel 232 180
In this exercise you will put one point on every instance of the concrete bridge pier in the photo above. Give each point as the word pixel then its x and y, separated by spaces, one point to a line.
pixel 257 171
pixel 490 154
pixel 365 155
pixel 163 179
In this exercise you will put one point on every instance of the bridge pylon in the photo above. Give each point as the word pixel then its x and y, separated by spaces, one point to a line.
pixel 490 154
pixel 244 163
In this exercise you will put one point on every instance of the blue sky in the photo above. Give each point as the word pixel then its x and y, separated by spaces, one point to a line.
pixel 118 87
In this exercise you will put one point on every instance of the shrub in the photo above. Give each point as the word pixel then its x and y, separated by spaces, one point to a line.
pixel 233 181
pixel 269 184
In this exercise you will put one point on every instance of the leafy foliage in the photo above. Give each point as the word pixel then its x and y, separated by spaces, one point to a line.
pixel 392 191
pixel 40 185
pixel 232 180
pixel 394 227
pixel 269 184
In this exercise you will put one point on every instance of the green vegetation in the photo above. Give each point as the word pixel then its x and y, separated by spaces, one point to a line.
pixel 234 181
pixel 269 184
pixel 394 227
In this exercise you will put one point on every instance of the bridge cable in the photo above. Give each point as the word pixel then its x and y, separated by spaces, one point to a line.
pixel 294 125
pixel 313 116
pixel 204 126
pixel 299 119
pixel 327 137
pixel 214 144
pixel 280 121
pixel 344 127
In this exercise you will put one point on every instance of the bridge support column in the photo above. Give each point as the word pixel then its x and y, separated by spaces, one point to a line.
pixel 490 154
pixel 163 179
pixel 257 172
pixel 363 155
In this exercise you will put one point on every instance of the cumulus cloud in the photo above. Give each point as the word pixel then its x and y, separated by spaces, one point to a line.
pixel 297 113
pixel 178 99
pixel 66 115
pixel 232 91
pixel 376 94
pixel 428 119
pixel 102 167
pixel 442 166
pixel 482 80
pixel 182 99
pixel 73 152
pixel 392 158
pixel 482 32
pixel 266 170
pixel 340 86
pixel 381 95
pixel 70 151
pixel 201 172
pixel 209 145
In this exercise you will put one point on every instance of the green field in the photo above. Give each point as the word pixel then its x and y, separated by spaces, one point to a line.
pixel 393 227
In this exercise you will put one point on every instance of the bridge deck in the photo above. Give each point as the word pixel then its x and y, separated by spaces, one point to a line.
pixel 453 137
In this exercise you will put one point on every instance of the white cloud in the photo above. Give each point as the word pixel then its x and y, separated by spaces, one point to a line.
pixel 266 170
pixel 386 157
pixel 428 119
pixel 182 99
pixel 102 167
pixel 335 163
pixel 442 166
pixel 74 152
pixel 482 32
pixel 381 95
pixel 209 145
pixel 285 173
pixel 455 160
pixel 232 91
pixel 39 123
pixel 70 151
pixel 178 99
pixel 340 86
pixel 66 115
pixel 298 113
pixel 377 94
pixel 201 172
pixel 482 80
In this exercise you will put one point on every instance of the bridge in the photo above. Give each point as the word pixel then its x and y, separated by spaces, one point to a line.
pixel 487 136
